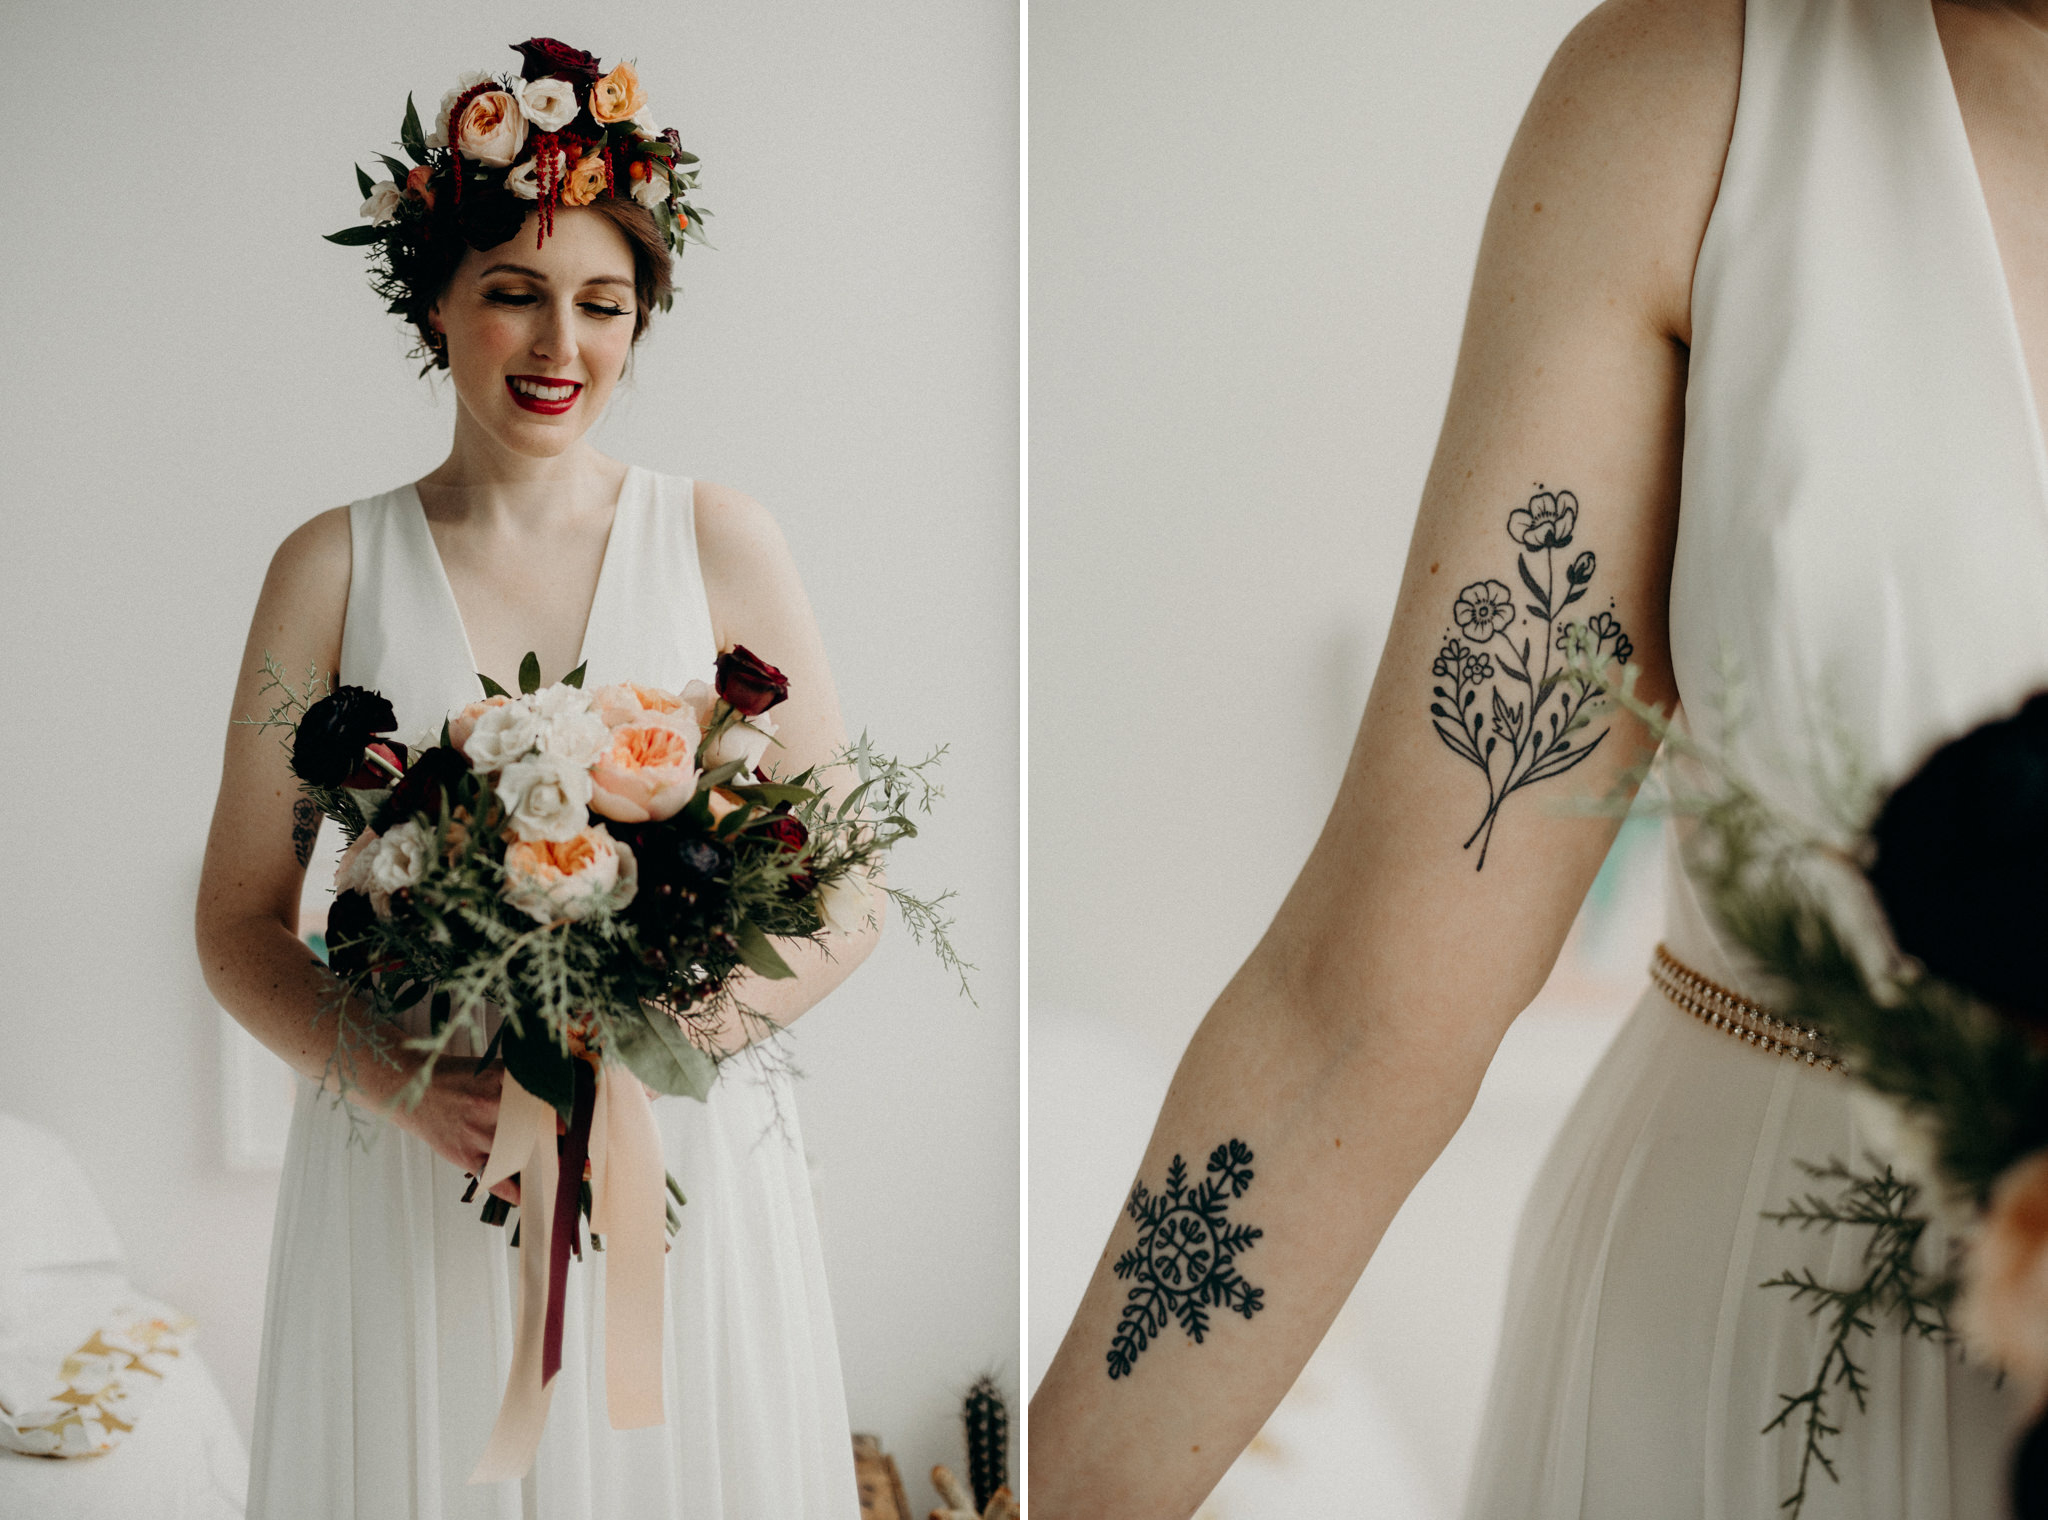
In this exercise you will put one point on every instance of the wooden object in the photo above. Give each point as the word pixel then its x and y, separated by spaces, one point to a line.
pixel 880 1485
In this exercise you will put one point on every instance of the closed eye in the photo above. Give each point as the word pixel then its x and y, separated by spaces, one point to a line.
pixel 521 298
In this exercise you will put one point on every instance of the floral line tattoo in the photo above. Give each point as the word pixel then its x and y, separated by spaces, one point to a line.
pixel 1534 735
pixel 305 829
pixel 1186 1254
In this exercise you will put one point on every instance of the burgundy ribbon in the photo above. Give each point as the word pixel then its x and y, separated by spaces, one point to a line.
pixel 562 1237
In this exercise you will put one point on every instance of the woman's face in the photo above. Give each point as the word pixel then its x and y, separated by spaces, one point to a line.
pixel 537 338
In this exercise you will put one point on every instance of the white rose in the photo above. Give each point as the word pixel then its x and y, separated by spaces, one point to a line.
pixel 545 799
pixel 523 183
pixel 398 860
pixel 438 138
pixel 503 735
pixel 550 104
pixel 845 903
pixel 382 206
pixel 745 740
pixel 551 701
pixel 575 738
pixel 651 191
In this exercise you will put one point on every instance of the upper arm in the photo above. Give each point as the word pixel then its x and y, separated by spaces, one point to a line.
pixel 1570 377
pixel 253 866
pixel 757 599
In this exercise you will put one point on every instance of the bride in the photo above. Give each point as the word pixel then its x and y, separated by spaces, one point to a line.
pixel 1748 384
pixel 388 1319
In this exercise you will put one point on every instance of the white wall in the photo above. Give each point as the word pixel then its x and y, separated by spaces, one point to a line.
pixel 191 371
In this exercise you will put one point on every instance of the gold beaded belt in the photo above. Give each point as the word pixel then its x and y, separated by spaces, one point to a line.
pixel 1749 1022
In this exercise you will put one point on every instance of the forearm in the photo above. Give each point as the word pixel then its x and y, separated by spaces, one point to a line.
pixel 1341 1116
pixel 757 1006
pixel 269 979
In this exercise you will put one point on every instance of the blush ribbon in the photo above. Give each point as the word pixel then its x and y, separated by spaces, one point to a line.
pixel 627 1207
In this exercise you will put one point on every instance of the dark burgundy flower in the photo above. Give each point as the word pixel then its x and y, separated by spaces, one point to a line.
pixel 489 215
pixel 547 58
pixel 1962 862
pixel 431 778
pixel 348 921
pixel 749 683
pixel 786 831
pixel 335 731
pixel 676 869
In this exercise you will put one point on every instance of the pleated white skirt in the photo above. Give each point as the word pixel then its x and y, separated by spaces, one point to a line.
pixel 388 1325
pixel 1641 1358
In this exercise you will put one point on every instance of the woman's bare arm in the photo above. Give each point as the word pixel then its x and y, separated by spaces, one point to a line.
pixel 1343 1055
pixel 262 835
pixel 757 599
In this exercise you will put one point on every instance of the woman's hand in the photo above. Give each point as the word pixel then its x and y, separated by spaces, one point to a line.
pixel 458 1117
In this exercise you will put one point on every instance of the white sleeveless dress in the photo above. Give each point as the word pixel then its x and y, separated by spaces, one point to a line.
pixel 388 1322
pixel 1864 537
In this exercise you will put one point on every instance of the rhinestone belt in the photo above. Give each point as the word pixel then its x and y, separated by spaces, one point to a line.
pixel 1749 1022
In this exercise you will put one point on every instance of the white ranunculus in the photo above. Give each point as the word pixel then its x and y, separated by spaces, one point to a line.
pixel 503 735
pixel 438 138
pixel 745 740
pixel 382 206
pixel 845 903
pixel 550 104
pixel 575 738
pixel 397 861
pixel 523 182
pixel 562 698
pixel 545 799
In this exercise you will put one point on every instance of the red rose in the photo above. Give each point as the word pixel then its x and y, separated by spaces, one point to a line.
pixel 547 58
pixel 786 831
pixel 748 683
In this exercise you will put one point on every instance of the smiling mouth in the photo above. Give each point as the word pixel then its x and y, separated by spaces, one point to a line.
pixel 538 393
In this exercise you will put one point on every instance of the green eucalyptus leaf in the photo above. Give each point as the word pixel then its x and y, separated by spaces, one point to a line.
pixel 356 237
pixel 772 793
pixel 492 688
pixel 760 955
pixel 363 182
pixel 575 677
pixel 410 135
pixel 529 674
pixel 656 1050
pixel 718 777
pixel 399 172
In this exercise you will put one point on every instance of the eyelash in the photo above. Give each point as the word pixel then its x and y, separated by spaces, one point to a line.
pixel 508 298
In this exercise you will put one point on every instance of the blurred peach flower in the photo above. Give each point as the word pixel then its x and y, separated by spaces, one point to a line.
pixel 417 187
pixel 463 724
pixel 2003 1310
pixel 572 878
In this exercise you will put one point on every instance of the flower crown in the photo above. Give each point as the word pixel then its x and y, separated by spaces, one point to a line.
pixel 561 132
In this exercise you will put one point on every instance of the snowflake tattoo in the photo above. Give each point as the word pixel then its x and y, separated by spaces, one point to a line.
pixel 1185 1258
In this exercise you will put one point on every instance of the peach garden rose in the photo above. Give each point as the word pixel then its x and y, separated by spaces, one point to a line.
pixel 570 878
pixel 649 773
pixel 586 182
pixel 492 129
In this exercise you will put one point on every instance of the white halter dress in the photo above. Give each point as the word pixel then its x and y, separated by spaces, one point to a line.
pixel 1863 540
pixel 388 1323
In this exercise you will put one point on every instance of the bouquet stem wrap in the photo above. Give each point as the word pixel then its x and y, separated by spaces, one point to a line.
pixel 614 1125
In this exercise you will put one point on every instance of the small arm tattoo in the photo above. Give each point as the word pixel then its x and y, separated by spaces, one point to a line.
pixel 1185 1260
pixel 305 828
pixel 1534 725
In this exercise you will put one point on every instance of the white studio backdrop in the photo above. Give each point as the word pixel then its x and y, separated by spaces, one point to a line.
pixel 194 371
pixel 1253 231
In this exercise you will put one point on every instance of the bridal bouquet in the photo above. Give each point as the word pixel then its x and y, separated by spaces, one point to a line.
pixel 599 866
pixel 1915 947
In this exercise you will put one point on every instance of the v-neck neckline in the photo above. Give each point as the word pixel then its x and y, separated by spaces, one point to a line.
pixel 2016 340
pixel 626 496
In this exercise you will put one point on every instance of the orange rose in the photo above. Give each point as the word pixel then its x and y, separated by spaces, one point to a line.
pixel 618 95
pixel 416 187
pixel 586 182
pixel 649 772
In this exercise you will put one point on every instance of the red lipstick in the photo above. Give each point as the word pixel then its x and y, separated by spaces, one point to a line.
pixel 540 404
